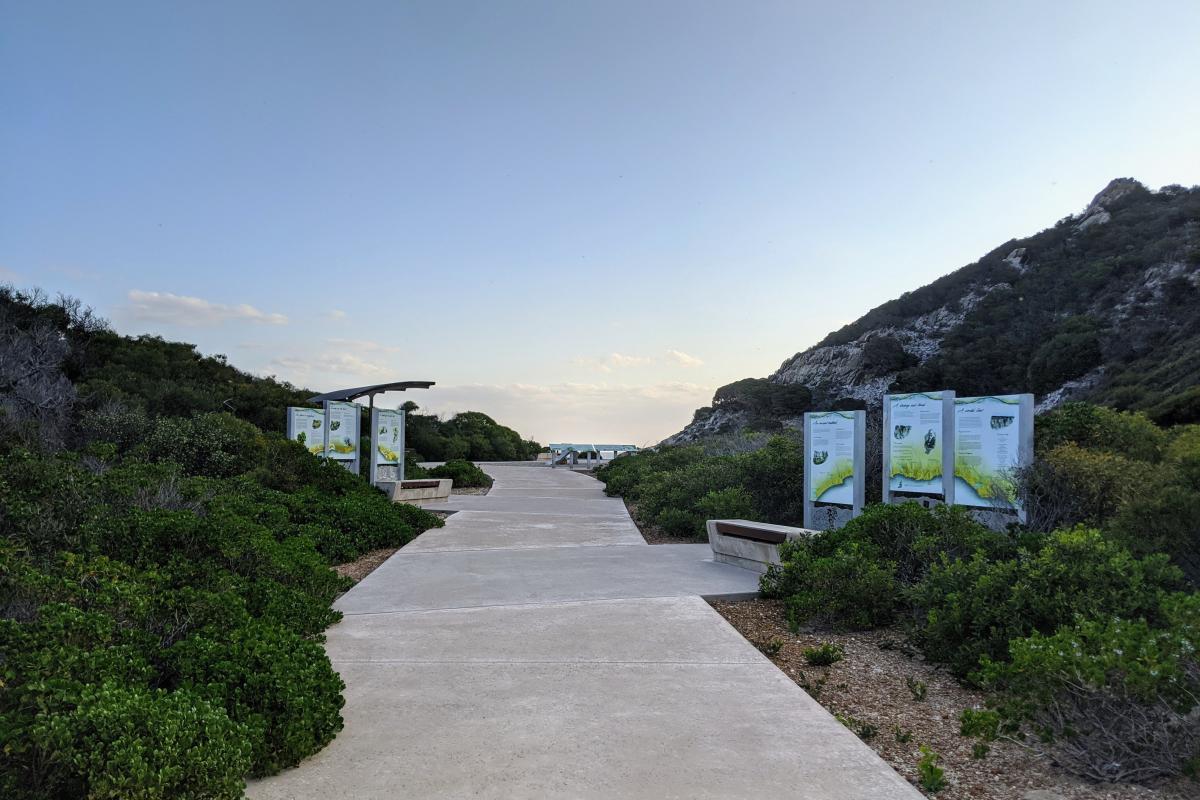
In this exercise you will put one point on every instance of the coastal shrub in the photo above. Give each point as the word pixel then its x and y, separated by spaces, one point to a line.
pixel 969 608
pixel 1108 699
pixel 914 537
pixel 855 576
pixel 773 476
pixel 852 587
pixel 823 654
pixel 463 473
pixel 119 742
pixel 280 686
pixel 1070 485
pixel 732 503
pixel 1129 434
pixel 214 445
pixel 1163 519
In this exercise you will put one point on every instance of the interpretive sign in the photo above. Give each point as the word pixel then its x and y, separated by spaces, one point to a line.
pixel 387 444
pixel 993 437
pixel 918 447
pixel 307 426
pixel 341 420
pixel 834 465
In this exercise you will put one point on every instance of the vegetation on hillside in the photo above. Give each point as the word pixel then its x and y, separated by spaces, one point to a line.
pixel 164 568
pixel 1083 624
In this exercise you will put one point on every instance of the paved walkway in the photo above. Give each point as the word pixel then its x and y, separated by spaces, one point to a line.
pixel 537 647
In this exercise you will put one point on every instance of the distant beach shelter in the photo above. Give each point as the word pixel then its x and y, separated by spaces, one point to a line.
pixel 568 453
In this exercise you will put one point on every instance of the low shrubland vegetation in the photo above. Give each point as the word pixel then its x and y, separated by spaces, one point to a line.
pixel 1082 625
pixel 165 573
pixel 677 489
pixel 464 474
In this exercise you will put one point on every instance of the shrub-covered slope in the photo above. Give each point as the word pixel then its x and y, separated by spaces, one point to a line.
pixel 165 580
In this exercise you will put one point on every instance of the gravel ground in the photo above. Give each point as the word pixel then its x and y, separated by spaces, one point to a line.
pixel 363 566
pixel 869 685
pixel 470 490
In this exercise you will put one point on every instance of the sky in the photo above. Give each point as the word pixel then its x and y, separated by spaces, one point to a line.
pixel 580 218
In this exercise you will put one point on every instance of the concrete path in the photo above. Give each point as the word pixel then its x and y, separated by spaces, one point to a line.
pixel 537 647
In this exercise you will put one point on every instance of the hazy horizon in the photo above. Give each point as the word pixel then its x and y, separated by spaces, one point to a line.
pixel 580 220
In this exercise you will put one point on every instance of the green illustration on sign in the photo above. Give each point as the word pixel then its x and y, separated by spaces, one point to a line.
pixel 987 449
pixel 914 442
pixel 831 462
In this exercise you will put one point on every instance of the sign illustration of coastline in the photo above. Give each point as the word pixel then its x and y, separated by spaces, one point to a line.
pixel 343 431
pixel 389 436
pixel 308 428
pixel 915 443
pixel 987 449
pixel 832 457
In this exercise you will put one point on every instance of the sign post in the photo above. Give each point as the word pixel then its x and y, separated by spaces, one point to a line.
pixel 835 457
pixel 387 444
pixel 307 426
pixel 918 446
pixel 341 437
pixel 993 437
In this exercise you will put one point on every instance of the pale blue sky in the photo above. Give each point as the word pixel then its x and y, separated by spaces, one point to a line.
pixel 556 210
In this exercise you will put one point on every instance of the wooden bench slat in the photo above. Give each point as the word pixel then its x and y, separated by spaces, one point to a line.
pixel 751 533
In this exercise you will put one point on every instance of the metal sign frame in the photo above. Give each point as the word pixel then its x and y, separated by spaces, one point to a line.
pixel 375 465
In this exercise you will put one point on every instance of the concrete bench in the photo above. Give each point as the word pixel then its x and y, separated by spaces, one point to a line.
pixel 418 491
pixel 751 545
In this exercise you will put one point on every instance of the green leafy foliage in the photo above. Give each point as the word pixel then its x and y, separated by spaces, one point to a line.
pixel 467 436
pixel 855 576
pixel 280 686
pixel 678 489
pixel 931 777
pixel 1111 698
pixel 823 654
pixel 972 607
pixel 462 472
pixel 165 580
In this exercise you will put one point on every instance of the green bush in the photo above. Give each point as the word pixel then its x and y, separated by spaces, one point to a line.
pixel 853 587
pixel 1127 434
pixel 1111 699
pixel 1163 519
pixel 969 608
pixel 118 743
pixel 854 576
pixel 280 686
pixel 823 654
pixel 463 473
pixel 214 445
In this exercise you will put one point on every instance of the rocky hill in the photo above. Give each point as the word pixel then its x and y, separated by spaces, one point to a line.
pixel 1104 306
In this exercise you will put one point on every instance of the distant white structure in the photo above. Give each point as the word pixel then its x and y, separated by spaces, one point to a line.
pixel 567 453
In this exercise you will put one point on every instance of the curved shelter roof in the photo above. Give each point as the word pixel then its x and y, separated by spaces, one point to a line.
pixel 364 391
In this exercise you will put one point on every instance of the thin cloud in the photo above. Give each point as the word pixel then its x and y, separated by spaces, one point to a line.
pixel 364 345
pixel 336 313
pixel 683 359
pixel 337 363
pixel 194 311
pixel 8 275
pixel 612 361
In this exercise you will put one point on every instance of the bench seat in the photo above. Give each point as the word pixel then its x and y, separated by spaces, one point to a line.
pixel 750 545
